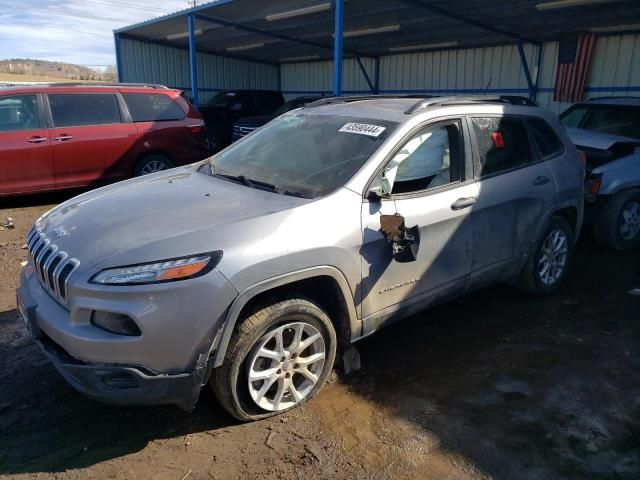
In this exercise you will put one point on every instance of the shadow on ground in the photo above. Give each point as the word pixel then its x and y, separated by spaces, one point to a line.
pixel 495 384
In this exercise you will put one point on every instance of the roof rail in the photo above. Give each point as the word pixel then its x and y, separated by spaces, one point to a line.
pixel 356 98
pixel 105 84
pixel 613 97
pixel 465 100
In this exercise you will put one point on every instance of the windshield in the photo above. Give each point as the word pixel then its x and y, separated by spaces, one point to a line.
pixel 222 99
pixel 302 154
pixel 616 120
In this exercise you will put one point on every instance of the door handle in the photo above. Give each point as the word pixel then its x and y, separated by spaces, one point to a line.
pixel 541 180
pixel 463 203
pixel 63 137
pixel 37 140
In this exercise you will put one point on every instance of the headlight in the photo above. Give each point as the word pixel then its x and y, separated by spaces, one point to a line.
pixel 159 272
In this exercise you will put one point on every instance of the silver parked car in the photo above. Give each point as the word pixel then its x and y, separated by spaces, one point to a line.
pixel 251 269
pixel 608 131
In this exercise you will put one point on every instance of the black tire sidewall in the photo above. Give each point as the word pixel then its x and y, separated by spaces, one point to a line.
pixel 621 243
pixel 291 312
pixel 556 223
pixel 151 158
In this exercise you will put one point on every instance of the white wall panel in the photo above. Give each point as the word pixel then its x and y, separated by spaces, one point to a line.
pixel 153 63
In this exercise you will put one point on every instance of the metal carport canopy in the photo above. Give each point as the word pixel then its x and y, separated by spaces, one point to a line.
pixel 289 31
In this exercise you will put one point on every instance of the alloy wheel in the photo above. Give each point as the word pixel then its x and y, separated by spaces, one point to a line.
pixel 153 166
pixel 553 258
pixel 285 366
pixel 630 221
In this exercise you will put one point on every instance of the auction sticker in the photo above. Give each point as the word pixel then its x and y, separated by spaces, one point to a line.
pixel 362 129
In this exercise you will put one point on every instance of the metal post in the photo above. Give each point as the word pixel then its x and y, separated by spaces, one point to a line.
pixel 376 77
pixel 116 39
pixel 527 74
pixel 337 48
pixel 539 67
pixel 193 59
pixel 365 74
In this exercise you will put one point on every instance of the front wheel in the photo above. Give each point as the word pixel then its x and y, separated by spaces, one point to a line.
pixel 278 358
pixel 546 269
pixel 617 223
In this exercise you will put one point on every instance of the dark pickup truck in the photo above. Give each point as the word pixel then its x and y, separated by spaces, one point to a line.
pixel 224 108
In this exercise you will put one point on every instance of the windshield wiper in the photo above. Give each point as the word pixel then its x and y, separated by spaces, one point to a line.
pixel 249 182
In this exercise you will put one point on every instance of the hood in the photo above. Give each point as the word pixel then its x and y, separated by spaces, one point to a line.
pixel 599 140
pixel 256 121
pixel 602 148
pixel 163 215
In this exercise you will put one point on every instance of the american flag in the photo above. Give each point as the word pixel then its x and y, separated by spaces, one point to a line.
pixel 574 58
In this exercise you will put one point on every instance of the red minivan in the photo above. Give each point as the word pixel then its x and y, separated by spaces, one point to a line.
pixel 62 136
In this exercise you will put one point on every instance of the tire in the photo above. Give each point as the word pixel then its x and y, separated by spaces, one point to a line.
pixel 535 278
pixel 617 223
pixel 258 333
pixel 155 162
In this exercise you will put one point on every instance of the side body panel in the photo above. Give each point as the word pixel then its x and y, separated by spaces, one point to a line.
pixel 26 162
pixel 444 255
pixel 83 155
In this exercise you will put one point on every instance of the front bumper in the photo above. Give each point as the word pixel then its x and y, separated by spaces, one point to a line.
pixel 122 370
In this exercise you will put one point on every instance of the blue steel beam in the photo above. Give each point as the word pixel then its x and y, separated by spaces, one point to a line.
pixel 193 60
pixel 337 47
pixel 365 74
pixel 469 21
pixel 267 33
pixel 527 74
pixel 376 76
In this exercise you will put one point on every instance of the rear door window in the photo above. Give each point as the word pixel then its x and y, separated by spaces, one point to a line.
pixel 548 143
pixel 18 112
pixel 503 144
pixel 149 107
pixel 78 109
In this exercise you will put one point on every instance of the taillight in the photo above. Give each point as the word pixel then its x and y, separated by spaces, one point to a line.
pixel 594 185
pixel 583 157
pixel 197 127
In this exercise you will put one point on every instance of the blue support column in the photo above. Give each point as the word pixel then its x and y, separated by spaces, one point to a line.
pixel 527 74
pixel 376 77
pixel 193 60
pixel 116 40
pixel 337 47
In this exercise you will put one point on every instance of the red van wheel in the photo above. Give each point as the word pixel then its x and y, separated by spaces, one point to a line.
pixel 152 164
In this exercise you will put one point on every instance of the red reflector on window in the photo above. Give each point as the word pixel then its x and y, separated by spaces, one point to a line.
pixel 498 141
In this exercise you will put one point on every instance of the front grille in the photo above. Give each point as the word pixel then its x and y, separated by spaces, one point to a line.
pixel 239 132
pixel 52 266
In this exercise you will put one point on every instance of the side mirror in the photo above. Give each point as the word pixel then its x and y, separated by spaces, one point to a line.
pixel 379 190
pixel 404 241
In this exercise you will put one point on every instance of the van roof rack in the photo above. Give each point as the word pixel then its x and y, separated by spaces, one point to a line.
pixel 105 84
pixel 466 100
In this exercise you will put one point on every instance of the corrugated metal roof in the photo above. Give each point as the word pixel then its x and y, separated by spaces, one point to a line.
pixel 246 28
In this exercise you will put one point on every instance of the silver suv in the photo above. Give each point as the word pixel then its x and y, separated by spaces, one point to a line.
pixel 250 270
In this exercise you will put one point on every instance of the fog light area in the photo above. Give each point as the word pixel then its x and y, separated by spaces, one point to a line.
pixel 115 323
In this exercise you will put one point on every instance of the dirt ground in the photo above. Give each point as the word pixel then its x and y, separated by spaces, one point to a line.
pixel 495 385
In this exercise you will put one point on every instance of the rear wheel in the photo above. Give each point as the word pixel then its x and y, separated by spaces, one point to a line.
pixel 546 269
pixel 278 358
pixel 152 164
pixel 617 223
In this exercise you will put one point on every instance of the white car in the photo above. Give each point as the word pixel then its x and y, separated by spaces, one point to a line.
pixel 608 131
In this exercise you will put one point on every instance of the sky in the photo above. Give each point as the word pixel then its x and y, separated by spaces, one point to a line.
pixel 72 31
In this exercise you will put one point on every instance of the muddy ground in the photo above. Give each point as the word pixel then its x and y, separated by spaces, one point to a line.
pixel 495 385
